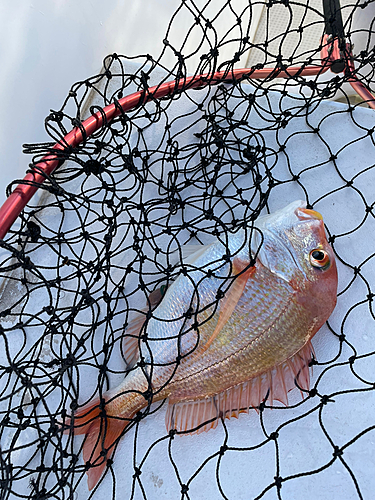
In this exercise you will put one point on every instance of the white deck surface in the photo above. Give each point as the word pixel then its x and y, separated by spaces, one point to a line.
pixel 303 445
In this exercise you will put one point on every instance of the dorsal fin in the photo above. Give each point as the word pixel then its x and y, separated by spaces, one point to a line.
pixel 130 344
pixel 191 252
pixel 204 414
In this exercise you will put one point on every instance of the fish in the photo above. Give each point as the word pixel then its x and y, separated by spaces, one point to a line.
pixel 232 331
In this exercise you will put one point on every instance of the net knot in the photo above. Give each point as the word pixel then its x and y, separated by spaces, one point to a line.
pixel 12 368
pixel 325 399
pixel 27 263
pixel 226 257
pixel 189 313
pixel 141 363
pixel 102 368
pixel 278 481
pixel 313 392
pixel 147 395
pixel 209 214
pixel 74 405
pixel 24 425
pixel 68 362
pixel 87 299
pixel 137 472
pixel 40 494
pixel 33 231
pixel 337 452
pixel 223 449
pixel 93 167
pixel 26 382
pixel 55 116
pixel 184 488
pixel 53 429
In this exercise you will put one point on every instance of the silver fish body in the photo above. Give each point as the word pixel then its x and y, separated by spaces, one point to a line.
pixel 233 329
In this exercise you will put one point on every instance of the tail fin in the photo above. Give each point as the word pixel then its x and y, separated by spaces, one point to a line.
pixel 102 432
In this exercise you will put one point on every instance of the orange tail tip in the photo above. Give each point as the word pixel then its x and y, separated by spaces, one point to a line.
pixel 102 433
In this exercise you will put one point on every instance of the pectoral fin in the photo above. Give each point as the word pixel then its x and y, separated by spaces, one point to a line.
pixel 232 296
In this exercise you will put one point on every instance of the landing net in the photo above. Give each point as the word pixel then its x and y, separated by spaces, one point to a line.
pixel 106 229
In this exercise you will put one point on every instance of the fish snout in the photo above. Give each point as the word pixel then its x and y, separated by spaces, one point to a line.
pixel 306 213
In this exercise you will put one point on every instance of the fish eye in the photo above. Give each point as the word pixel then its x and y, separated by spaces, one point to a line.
pixel 319 258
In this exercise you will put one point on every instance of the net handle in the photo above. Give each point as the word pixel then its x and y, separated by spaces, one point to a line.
pixel 22 194
pixel 333 18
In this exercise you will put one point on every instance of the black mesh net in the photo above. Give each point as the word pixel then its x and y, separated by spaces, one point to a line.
pixel 108 227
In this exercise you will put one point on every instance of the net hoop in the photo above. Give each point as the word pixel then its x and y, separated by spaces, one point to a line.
pixel 331 55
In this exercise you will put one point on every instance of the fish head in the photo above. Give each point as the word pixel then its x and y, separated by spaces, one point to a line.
pixel 292 244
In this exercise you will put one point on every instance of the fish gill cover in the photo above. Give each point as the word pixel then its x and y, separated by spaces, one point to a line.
pixel 108 229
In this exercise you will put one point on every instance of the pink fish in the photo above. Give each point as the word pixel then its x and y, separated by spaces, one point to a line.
pixel 233 330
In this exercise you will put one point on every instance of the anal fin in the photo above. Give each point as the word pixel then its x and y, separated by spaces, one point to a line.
pixel 196 416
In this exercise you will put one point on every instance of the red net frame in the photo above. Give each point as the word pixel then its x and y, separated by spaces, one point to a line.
pixel 332 58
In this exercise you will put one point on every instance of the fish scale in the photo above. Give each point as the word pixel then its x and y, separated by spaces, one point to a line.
pixel 243 327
